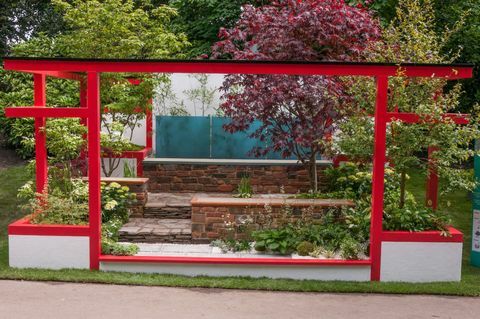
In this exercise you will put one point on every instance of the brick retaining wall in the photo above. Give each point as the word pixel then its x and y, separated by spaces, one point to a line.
pixel 221 178
pixel 212 217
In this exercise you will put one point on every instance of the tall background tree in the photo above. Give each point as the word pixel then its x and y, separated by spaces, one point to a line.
pixel 412 37
pixel 296 112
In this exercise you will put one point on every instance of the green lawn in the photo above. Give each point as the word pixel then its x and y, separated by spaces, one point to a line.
pixel 460 211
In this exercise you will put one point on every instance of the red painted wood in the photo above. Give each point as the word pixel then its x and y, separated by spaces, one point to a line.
pixel 59 75
pixel 41 160
pixel 25 227
pixel 425 236
pixel 235 261
pixel 379 157
pixel 94 199
pixel 41 111
pixel 432 180
pixel 416 118
pixel 244 67
pixel 149 128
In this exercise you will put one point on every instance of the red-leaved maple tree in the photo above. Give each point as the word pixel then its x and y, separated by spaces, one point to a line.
pixel 296 112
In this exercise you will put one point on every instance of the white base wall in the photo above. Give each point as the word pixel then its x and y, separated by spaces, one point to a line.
pixel 343 273
pixel 421 261
pixel 48 252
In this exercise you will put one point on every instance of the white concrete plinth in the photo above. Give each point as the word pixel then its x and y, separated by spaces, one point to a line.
pixel 421 261
pixel 343 273
pixel 49 252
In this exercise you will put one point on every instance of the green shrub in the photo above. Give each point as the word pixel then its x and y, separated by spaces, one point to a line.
pixel 52 209
pixel 281 240
pixel 110 247
pixel 305 248
pixel 350 248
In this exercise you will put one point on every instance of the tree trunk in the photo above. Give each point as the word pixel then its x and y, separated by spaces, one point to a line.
pixel 403 181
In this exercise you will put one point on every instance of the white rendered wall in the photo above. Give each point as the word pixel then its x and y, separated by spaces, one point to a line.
pixel 343 273
pixel 421 261
pixel 180 84
pixel 48 252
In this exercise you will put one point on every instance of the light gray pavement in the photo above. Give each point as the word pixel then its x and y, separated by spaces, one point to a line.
pixel 64 300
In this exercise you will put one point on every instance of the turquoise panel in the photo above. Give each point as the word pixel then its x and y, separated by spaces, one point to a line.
pixel 232 146
pixel 182 136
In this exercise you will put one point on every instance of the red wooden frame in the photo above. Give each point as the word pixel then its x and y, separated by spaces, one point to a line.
pixel 79 69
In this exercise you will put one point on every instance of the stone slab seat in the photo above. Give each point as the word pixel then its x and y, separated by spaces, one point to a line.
pixel 274 202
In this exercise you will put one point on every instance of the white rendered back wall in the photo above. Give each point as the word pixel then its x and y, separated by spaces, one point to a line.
pixel 180 84
pixel 421 261
pixel 343 273
pixel 48 252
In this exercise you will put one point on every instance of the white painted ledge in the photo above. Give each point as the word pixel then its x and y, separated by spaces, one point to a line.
pixel 341 273
pixel 49 252
pixel 421 261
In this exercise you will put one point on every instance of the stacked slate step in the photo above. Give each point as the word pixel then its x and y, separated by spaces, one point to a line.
pixel 153 230
pixel 168 205
pixel 166 219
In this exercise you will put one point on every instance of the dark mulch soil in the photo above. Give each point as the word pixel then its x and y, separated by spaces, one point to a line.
pixel 8 157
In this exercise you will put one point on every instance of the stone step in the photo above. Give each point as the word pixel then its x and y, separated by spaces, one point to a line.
pixel 168 206
pixel 150 230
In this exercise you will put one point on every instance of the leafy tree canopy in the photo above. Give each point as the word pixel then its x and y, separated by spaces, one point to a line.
pixel 296 111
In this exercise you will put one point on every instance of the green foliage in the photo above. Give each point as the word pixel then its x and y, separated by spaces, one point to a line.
pixel 350 248
pixel 231 245
pixel 202 19
pixel 115 201
pixel 412 37
pixel 118 29
pixel 54 209
pixel 305 248
pixel 129 171
pixel 244 188
pixel 110 247
pixel 281 240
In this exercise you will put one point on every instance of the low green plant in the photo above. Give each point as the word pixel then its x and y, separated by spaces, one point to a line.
pixel 305 248
pixel 244 188
pixel 129 171
pixel 232 245
pixel 282 240
pixel 350 248
pixel 111 247
pixel 54 209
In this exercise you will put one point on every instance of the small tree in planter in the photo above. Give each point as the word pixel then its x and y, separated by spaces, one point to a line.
pixel 411 37
pixel 296 112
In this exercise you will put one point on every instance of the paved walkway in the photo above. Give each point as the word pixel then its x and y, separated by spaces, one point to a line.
pixel 28 300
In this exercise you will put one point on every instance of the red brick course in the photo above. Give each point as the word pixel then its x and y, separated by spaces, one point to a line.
pixel 225 178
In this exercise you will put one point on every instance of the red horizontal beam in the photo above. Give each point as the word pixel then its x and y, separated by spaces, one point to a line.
pixel 59 74
pixel 455 236
pixel 417 118
pixel 243 67
pixel 234 261
pixel 24 227
pixel 35 111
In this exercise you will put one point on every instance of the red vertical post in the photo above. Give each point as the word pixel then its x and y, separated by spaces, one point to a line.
pixel 41 160
pixel 432 180
pixel 149 127
pixel 94 199
pixel 379 158
pixel 84 122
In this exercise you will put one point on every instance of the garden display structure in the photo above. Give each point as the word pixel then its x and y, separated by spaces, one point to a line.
pixel 394 255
